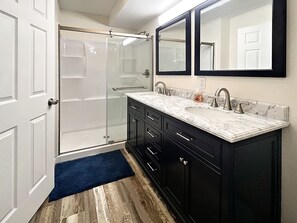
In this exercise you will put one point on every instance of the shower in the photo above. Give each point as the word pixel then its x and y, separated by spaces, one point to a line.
pixel 96 70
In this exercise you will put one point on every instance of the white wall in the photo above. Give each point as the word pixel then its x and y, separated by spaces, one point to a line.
pixel 274 90
pixel 88 21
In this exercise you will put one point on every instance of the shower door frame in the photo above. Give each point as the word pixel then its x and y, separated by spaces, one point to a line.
pixel 91 31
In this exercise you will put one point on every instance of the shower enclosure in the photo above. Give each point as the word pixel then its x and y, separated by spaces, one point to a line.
pixel 96 70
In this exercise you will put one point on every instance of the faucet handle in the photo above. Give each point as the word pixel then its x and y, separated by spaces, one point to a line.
pixel 214 102
pixel 168 92
pixel 239 109
pixel 159 90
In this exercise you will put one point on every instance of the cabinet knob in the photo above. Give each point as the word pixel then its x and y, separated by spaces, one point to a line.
pixel 185 162
pixel 181 159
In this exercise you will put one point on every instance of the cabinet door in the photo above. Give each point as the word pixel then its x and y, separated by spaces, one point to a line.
pixel 131 136
pixel 136 134
pixel 174 173
pixel 203 196
pixel 140 144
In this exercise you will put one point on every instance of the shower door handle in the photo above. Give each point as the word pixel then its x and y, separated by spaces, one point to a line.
pixel 52 101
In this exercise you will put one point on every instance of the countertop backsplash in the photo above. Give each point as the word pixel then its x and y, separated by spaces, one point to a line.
pixel 269 110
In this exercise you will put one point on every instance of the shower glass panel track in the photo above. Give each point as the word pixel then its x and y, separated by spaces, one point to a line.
pixel 96 70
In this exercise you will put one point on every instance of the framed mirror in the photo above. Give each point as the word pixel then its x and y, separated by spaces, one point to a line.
pixel 241 38
pixel 173 47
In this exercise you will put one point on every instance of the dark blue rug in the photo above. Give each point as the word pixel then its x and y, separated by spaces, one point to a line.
pixel 75 176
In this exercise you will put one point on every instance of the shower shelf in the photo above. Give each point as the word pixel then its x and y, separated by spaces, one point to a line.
pixel 82 100
pixel 71 100
pixel 128 75
pixel 73 77
pixel 72 56
pixel 94 98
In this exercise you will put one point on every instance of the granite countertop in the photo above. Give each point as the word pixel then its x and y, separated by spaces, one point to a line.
pixel 235 128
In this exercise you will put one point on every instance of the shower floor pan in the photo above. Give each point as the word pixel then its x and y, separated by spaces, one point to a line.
pixel 71 141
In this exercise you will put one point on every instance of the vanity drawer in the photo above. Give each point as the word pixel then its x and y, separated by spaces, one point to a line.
pixel 153 152
pixel 136 107
pixel 195 140
pixel 153 136
pixel 153 169
pixel 153 117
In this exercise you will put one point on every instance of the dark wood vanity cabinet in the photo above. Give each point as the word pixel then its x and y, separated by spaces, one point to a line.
pixel 135 134
pixel 205 179
pixel 191 184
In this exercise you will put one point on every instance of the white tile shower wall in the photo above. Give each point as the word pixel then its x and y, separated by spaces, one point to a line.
pixel 134 59
pixel 117 110
pixel 83 102
pixel 82 115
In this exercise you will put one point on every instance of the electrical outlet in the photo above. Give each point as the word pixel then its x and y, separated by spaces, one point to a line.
pixel 202 82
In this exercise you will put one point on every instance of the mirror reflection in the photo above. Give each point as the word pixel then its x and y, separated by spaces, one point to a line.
pixel 236 35
pixel 172 47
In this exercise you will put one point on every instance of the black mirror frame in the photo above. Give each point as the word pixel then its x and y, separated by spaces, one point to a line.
pixel 186 16
pixel 279 21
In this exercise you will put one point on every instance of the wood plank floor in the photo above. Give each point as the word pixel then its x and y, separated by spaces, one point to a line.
pixel 132 199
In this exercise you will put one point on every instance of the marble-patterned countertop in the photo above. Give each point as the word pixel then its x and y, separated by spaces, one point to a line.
pixel 235 128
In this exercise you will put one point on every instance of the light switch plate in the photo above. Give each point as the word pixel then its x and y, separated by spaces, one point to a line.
pixel 202 82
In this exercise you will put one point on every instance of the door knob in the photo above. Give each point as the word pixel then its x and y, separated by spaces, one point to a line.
pixel 52 101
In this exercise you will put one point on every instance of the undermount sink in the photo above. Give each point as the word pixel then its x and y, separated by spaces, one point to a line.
pixel 210 113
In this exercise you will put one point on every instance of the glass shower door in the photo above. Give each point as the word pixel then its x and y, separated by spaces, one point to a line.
pixel 129 69
pixel 95 73
pixel 83 59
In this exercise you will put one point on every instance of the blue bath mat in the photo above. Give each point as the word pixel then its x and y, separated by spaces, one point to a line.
pixel 75 176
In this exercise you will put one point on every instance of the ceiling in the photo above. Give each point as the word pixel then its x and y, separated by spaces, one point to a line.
pixel 129 14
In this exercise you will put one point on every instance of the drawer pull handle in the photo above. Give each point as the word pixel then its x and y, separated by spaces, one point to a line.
pixel 149 149
pixel 184 137
pixel 181 159
pixel 151 135
pixel 134 107
pixel 151 118
pixel 185 163
pixel 149 165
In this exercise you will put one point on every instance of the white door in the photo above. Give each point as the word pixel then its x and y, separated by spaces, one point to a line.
pixel 27 75
pixel 254 47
